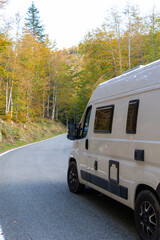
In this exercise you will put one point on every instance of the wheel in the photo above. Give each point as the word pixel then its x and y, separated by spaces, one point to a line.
pixel 147 216
pixel 72 178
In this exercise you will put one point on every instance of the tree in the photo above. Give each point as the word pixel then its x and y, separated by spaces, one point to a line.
pixel 33 23
pixel 134 37
pixel 153 36
pixel 128 12
pixel 113 26
pixel 38 81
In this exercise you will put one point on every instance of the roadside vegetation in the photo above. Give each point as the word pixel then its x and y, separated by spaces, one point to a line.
pixel 14 134
pixel 38 81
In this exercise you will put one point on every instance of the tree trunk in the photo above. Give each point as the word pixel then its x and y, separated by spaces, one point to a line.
pixel 43 102
pixel 9 100
pixel 129 52
pixel 6 111
pixel 114 59
pixel 48 103
pixel 54 102
pixel 56 113
pixel 27 104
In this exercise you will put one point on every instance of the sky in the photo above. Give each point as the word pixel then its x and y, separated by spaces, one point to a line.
pixel 68 21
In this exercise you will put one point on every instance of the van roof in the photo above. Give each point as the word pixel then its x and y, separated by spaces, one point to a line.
pixel 130 81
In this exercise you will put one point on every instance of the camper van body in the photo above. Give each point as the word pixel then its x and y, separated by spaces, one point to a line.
pixel 117 149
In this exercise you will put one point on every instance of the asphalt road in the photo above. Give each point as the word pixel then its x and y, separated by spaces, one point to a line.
pixel 35 203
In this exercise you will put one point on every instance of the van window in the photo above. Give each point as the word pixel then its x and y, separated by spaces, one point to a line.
pixel 132 116
pixel 85 125
pixel 103 119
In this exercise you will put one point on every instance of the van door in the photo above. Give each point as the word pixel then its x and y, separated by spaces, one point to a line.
pixel 99 147
pixel 104 154
pixel 83 143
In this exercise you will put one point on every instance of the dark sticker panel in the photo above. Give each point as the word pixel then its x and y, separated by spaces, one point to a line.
pixel 105 184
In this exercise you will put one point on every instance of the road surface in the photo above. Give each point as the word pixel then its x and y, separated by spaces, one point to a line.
pixel 35 203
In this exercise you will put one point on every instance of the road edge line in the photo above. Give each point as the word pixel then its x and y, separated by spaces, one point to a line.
pixel 13 149
pixel 1 234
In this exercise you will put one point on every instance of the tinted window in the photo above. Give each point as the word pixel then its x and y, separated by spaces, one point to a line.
pixel 103 119
pixel 132 116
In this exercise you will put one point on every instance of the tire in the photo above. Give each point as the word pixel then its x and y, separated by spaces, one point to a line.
pixel 147 216
pixel 72 178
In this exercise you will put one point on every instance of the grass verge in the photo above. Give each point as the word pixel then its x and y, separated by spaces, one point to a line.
pixel 13 134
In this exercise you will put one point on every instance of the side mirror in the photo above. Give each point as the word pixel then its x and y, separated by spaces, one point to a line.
pixel 72 132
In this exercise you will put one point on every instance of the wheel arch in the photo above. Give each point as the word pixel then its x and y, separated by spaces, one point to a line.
pixel 142 187
pixel 72 160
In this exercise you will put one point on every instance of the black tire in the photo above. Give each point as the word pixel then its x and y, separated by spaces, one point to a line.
pixel 72 178
pixel 147 216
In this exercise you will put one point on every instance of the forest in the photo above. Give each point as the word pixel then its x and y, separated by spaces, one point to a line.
pixel 39 81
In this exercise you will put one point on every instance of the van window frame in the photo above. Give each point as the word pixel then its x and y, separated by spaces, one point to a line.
pixel 108 107
pixel 82 124
pixel 133 128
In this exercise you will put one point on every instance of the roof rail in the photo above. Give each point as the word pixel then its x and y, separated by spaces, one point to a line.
pixel 132 69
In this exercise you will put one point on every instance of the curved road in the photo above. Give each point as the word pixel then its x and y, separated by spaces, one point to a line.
pixel 35 203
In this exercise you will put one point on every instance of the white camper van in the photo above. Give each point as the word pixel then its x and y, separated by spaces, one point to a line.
pixel 116 148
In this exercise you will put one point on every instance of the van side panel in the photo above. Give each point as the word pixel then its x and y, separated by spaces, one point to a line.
pixel 147 138
pixel 120 146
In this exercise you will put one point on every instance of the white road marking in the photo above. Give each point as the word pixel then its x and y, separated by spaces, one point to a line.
pixel 1 234
pixel 27 146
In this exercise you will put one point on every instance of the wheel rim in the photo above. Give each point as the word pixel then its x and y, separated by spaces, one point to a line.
pixel 72 178
pixel 148 219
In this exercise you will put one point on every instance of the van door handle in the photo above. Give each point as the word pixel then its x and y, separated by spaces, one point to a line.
pixel 86 144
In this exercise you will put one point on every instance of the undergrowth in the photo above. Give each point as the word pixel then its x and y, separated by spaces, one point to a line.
pixel 14 134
